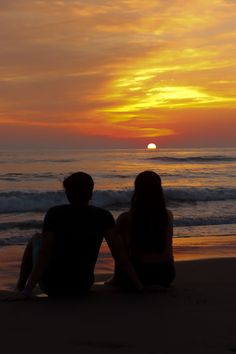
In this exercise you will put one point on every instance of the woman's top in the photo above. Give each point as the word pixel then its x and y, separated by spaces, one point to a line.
pixel 124 228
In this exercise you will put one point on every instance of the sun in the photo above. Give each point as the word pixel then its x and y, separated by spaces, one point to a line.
pixel 151 146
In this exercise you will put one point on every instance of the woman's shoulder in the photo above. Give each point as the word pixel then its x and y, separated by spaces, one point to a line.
pixel 123 222
pixel 124 217
pixel 170 215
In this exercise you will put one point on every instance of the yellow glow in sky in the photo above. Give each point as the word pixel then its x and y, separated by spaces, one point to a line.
pixel 118 71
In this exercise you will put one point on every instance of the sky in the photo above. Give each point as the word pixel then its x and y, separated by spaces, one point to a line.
pixel 102 73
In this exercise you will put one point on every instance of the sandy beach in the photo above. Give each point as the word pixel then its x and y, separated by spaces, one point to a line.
pixel 114 116
pixel 196 315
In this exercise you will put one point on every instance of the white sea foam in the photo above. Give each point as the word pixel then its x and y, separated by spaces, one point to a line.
pixel 199 185
pixel 40 201
pixel 193 159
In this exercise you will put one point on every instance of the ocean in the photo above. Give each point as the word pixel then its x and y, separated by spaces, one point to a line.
pixel 199 185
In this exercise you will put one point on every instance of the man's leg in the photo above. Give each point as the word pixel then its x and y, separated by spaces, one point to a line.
pixel 27 262
pixel 26 267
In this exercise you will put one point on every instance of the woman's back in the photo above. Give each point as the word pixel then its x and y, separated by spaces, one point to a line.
pixel 148 253
pixel 146 231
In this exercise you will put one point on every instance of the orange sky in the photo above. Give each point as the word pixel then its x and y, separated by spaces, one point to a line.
pixel 118 73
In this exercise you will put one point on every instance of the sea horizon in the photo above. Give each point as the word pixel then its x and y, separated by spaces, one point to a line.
pixel 199 185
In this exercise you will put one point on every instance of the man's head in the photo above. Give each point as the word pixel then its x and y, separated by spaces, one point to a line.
pixel 78 188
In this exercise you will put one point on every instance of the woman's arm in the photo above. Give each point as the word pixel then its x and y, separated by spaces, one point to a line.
pixel 169 235
pixel 159 257
pixel 120 254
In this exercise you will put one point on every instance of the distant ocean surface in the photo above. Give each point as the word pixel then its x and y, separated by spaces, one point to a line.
pixel 199 184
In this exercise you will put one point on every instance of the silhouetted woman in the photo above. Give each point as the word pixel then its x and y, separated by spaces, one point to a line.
pixel 146 231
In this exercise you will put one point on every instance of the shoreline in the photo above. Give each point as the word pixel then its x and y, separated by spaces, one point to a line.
pixel 187 249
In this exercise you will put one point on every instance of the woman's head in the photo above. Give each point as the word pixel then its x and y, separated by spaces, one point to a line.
pixel 148 210
pixel 147 180
pixel 148 189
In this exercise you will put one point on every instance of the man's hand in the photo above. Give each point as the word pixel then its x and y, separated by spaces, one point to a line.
pixel 19 296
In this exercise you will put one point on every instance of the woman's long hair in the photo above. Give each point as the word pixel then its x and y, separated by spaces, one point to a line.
pixel 149 217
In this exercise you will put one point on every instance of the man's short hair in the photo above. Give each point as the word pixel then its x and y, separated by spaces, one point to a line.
pixel 78 187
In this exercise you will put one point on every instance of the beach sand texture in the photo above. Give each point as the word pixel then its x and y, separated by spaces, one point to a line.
pixel 196 315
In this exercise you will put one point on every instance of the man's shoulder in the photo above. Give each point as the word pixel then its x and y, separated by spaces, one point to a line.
pixel 102 216
pixel 99 211
pixel 58 208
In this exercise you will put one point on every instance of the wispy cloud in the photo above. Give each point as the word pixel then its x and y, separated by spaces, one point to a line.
pixel 103 66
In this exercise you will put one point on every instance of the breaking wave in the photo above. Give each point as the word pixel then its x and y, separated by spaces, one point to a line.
pixel 194 159
pixel 17 202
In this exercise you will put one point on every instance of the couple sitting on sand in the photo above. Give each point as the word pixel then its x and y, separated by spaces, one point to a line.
pixel 62 258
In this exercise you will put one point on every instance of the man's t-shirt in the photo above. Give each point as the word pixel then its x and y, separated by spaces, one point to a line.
pixel 78 236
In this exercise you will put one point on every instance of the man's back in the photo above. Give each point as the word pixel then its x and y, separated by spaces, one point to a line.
pixel 78 233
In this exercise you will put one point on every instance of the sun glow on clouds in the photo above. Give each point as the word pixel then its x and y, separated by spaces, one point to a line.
pixel 166 97
pixel 121 69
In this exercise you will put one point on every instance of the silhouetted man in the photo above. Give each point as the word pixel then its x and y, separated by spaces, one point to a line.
pixel 63 257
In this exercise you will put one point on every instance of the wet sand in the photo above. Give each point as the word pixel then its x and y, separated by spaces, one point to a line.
pixel 196 315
